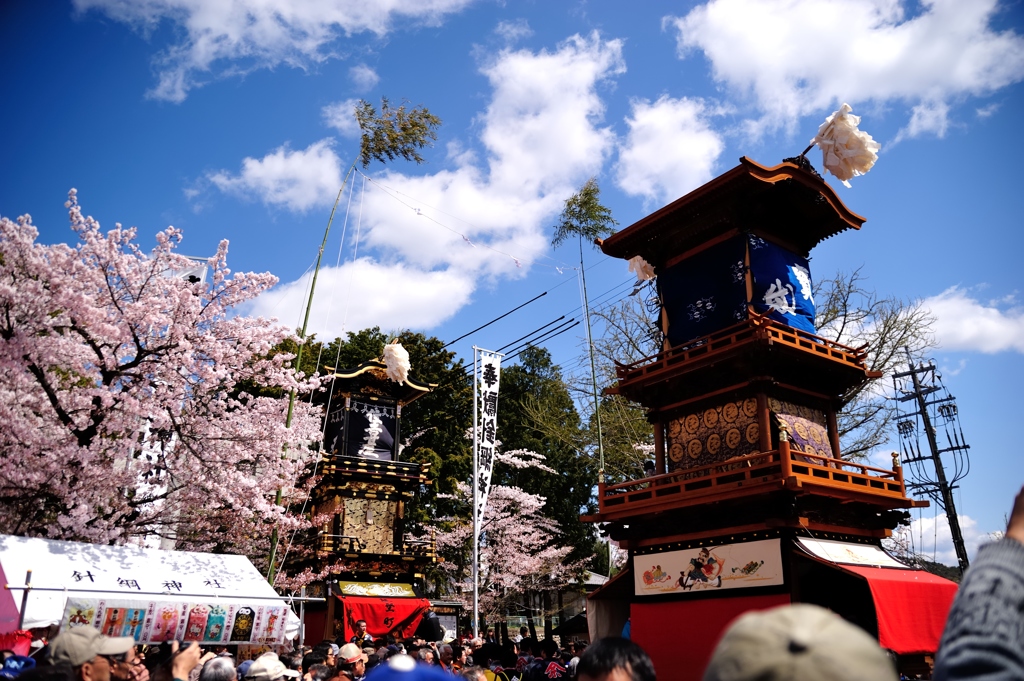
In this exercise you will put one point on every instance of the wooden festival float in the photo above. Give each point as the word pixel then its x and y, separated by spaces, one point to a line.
pixel 375 570
pixel 752 504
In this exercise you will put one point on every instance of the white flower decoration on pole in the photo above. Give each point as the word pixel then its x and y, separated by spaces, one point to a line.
pixel 643 269
pixel 846 151
pixel 397 360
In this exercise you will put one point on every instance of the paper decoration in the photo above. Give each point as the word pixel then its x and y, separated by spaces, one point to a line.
pixel 846 152
pixel 644 270
pixel 155 621
pixel 397 360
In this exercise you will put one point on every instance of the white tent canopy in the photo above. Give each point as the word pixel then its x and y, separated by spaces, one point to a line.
pixel 151 594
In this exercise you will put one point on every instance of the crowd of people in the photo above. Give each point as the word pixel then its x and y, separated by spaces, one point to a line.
pixel 84 654
pixel 983 641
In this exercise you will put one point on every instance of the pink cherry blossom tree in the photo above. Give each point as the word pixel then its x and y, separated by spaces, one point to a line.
pixel 519 554
pixel 123 394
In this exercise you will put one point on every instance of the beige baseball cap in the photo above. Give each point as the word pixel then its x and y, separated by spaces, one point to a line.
pixel 350 652
pixel 799 642
pixel 268 667
pixel 81 644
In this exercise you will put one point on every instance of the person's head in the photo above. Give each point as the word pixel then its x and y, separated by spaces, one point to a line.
pixel 524 631
pixel 313 658
pixel 329 651
pixel 614 659
pixel 447 654
pixel 426 656
pixel 243 669
pixel 15 665
pixel 122 669
pixel 548 648
pixel 320 672
pixel 218 669
pixel 797 643
pixel 351 658
pixel 476 644
pixel 48 672
pixel 267 667
pixel 91 655
pixel 405 668
pixel 474 674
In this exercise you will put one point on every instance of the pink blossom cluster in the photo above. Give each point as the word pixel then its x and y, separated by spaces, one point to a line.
pixel 123 394
pixel 519 550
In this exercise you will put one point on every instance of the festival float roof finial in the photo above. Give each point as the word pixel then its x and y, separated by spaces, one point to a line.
pixel 846 151
pixel 396 358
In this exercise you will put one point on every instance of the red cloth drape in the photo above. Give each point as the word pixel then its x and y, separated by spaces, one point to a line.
pixel 911 607
pixel 383 615
pixel 681 635
pixel 19 641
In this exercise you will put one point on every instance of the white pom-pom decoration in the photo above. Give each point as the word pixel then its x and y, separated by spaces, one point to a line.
pixel 846 152
pixel 643 269
pixel 397 360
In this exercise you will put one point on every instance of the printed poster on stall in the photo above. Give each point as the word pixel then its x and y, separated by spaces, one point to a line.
pixel 725 566
pixel 158 621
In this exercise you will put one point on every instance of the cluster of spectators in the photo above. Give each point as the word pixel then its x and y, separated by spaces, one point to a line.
pixel 983 641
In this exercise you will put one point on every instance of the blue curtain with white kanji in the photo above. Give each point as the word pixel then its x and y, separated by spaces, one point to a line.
pixel 782 282
pixel 706 292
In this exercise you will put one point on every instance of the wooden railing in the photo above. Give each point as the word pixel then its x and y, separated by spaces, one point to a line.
pixel 409 548
pixel 753 474
pixel 757 327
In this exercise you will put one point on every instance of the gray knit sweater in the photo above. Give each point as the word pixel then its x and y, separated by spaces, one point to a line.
pixel 984 635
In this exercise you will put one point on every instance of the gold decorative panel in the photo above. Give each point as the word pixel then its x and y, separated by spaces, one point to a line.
pixel 373 521
pixel 807 430
pixel 713 435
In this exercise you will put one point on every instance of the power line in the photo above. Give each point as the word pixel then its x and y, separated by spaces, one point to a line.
pixel 494 320
pixel 508 345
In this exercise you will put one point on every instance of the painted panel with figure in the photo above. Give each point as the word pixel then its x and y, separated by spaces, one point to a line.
pixel 727 566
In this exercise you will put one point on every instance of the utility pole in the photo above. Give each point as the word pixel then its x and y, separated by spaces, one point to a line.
pixel 941 489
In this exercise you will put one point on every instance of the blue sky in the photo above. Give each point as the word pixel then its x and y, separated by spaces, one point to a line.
pixel 229 121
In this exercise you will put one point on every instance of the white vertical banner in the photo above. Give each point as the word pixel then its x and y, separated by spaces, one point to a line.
pixel 489 380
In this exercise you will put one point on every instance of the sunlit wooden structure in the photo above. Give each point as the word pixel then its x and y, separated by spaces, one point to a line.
pixel 748 463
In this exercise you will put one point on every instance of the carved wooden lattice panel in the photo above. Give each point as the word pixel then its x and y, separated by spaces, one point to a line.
pixel 713 434
pixel 373 521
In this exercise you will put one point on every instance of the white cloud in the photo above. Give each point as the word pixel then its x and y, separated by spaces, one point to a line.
pixel 926 117
pixel 297 180
pixel 965 323
pixel 798 57
pixel 669 150
pixel 541 137
pixel 341 116
pixel 363 77
pixel 987 111
pixel 512 31
pixel 365 293
pixel 224 38
pixel 930 537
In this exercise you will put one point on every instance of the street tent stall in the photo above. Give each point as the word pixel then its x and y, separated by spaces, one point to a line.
pixel 151 594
